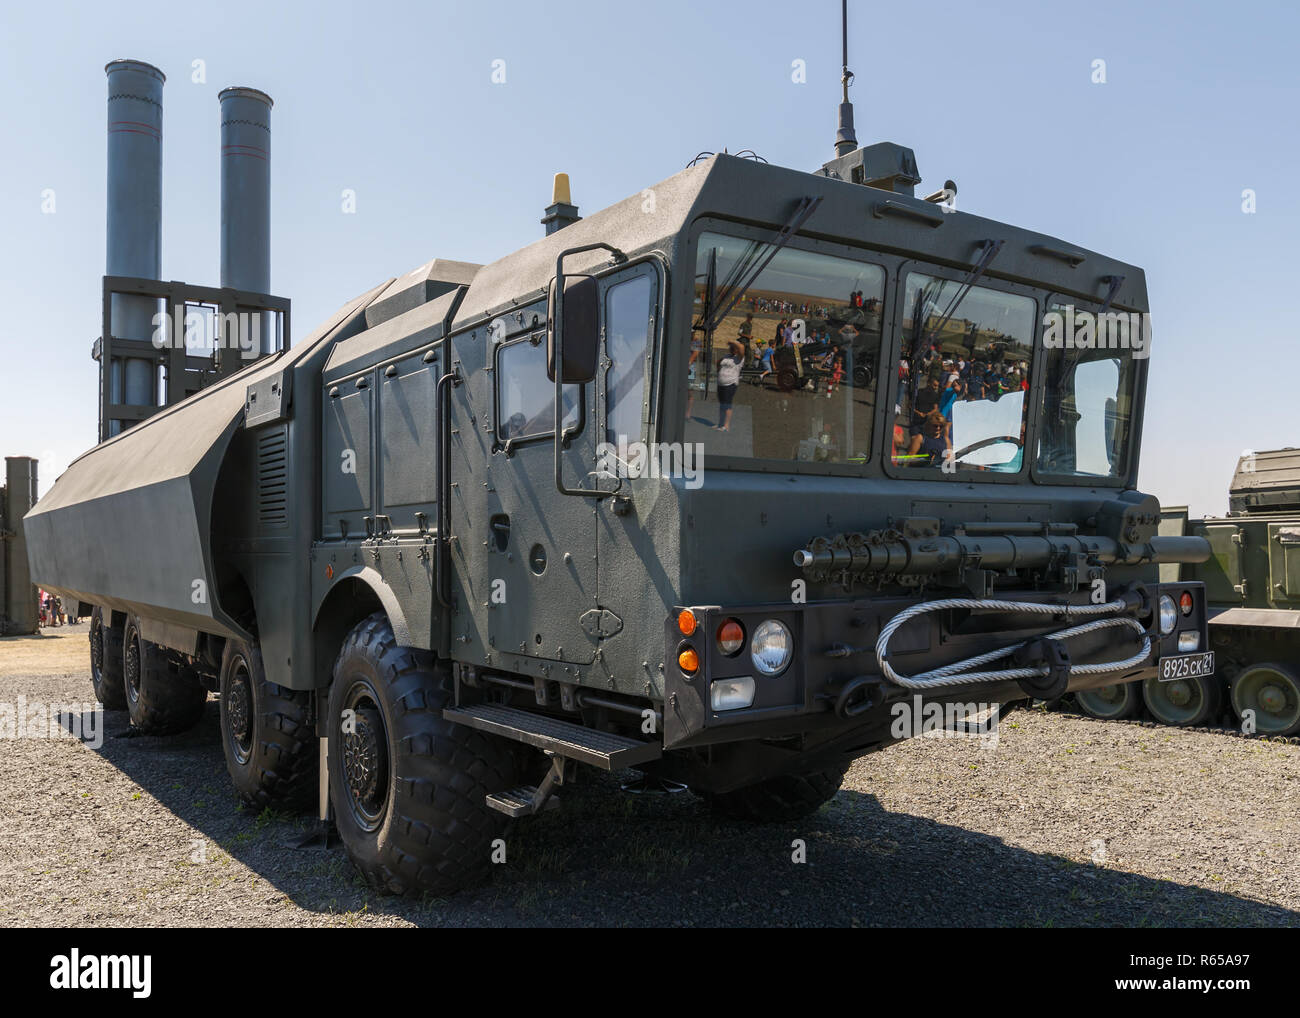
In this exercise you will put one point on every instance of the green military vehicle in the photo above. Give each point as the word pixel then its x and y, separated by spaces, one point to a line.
pixel 1252 582
pixel 481 526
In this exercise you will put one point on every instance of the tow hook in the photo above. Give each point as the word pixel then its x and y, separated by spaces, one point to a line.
pixel 854 698
pixel 1041 652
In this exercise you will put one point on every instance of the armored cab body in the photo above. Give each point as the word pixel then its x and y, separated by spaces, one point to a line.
pixel 741 583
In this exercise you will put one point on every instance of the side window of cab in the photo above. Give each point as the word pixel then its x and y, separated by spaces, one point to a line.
pixel 629 314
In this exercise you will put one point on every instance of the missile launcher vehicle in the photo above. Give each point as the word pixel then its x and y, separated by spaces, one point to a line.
pixel 489 525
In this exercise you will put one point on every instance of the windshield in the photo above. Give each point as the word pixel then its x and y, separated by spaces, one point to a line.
pixel 789 373
pixel 1091 389
pixel 963 378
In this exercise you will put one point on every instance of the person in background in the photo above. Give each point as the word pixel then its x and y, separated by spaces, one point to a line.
pixel 837 371
pixel 728 381
pixel 925 407
pixel 936 441
pixel 765 360
pixel 955 392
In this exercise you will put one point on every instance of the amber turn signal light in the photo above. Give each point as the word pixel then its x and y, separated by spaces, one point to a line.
pixel 688 661
pixel 686 622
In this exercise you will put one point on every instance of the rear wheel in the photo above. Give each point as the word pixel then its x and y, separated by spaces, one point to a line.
pixel 1184 703
pixel 1115 702
pixel 162 696
pixel 777 800
pixel 266 733
pixel 106 662
pixel 1273 693
pixel 407 785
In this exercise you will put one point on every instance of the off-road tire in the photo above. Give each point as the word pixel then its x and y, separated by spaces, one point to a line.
pixel 1205 707
pixel 782 799
pixel 162 696
pixel 1283 722
pixel 422 826
pixel 266 734
pixel 1115 702
pixel 106 661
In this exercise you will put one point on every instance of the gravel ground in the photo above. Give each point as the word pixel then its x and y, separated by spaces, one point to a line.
pixel 1066 822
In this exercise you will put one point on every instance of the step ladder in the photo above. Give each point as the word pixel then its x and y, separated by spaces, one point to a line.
pixel 560 740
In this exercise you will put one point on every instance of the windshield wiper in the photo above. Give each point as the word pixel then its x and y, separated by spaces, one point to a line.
pixel 750 266
pixel 990 249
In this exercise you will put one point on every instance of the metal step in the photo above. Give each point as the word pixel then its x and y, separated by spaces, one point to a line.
pixel 563 738
pixel 518 802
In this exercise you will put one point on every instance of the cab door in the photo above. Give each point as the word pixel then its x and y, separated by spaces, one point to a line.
pixel 541 545
pixel 633 587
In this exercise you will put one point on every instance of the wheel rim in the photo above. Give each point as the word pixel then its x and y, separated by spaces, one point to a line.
pixel 239 711
pixel 365 755
pixel 1272 694
pixel 1175 703
pixel 96 649
pixel 1105 701
pixel 131 664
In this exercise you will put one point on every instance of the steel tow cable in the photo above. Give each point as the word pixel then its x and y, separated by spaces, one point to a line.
pixel 957 673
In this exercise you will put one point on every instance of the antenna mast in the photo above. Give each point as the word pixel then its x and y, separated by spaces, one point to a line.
pixel 845 140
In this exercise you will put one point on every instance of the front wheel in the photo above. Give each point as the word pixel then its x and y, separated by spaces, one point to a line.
pixel 407 785
pixel 781 799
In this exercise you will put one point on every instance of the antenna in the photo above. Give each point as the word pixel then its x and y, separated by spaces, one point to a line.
pixel 845 140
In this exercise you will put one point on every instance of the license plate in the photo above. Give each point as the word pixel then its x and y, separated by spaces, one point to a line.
pixel 1186 666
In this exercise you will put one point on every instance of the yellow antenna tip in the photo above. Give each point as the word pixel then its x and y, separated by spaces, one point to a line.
pixel 560 193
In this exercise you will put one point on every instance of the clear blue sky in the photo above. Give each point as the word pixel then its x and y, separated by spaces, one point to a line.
pixel 396 102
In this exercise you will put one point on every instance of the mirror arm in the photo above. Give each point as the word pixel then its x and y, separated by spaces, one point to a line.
pixel 557 343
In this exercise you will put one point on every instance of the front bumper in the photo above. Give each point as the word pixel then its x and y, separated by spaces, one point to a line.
pixel 833 684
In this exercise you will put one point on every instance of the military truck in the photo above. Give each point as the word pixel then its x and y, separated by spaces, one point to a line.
pixel 481 527
pixel 1252 584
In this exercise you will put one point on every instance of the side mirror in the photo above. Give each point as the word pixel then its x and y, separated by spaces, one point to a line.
pixel 578 323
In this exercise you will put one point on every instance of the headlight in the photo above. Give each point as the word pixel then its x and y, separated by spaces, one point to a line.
pixel 772 647
pixel 1168 614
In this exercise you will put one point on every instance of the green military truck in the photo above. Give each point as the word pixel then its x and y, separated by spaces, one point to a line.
pixel 483 526
pixel 1252 582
